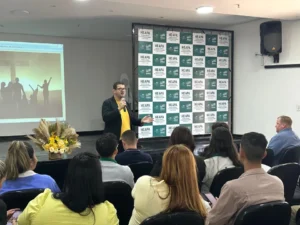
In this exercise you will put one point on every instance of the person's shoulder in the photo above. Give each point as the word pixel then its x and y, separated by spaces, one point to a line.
pixel 108 100
pixel 275 180
pixel 43 177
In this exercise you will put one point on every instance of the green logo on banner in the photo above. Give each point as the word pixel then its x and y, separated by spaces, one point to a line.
pixel 159 131
pixel 211 39
pixel 159 83
pixel 145 47
pixel 208 128
pixel 222 116
pixel 211 106
pixel 198 72
pixel 173 49
pixel 141 116
pixel 188 126
pixel 145 71
pixel 186 61
pixel 159 60
pixel 199 50
pixel 172 72
pixel 223 73
pixel 186 107
pixel 186 84
pixel 159 107
pixel 211 62
pixel 145 95
pixel 173 118
pixel 198 95
pixel 222 95
pixel 172 95
pixel 223 51
pixel 198 117
pixel 159 36
pixel 186 38
pixel 210 84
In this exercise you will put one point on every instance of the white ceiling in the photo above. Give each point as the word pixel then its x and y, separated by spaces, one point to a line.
pixel 111 19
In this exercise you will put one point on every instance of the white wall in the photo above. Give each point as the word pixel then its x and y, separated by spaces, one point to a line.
pixel 261 95
pixel 91 67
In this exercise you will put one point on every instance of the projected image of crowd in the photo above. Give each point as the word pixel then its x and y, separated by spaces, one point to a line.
pixel 16 102
pixel 13 93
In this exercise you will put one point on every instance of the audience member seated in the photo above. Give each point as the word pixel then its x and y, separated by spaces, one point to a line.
pixel 107 148
pixel 131 154
pixel 182 135
pixel 81 201
pixel 176 188
pixel 4 215
pixel 213 127
pixel 20 163
pixel 255 186
pixel 285 137
pixel 220 155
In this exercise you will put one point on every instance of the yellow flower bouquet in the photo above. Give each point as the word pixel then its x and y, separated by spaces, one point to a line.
pixel 57 138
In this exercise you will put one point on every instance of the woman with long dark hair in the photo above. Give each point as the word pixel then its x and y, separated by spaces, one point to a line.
pixel 220 154
pixel 182 135
pixel 81 202
pixel 174 190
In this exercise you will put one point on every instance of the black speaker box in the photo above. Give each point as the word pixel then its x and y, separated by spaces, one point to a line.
pixel 270 38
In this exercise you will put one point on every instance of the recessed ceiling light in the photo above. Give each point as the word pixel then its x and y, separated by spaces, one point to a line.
pixel 205 9
pixel 81 0
pixel 19 12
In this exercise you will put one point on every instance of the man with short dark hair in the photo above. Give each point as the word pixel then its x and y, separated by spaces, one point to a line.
pixel 106 147
pixel 117 115
pixel 253 187
pixel 284 139
pixel 131 154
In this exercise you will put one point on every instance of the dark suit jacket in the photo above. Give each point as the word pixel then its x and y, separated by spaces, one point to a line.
pixel 112 117
pixel 3 218
pixel 132 156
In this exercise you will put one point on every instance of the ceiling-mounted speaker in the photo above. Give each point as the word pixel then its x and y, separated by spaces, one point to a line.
pixel 271 39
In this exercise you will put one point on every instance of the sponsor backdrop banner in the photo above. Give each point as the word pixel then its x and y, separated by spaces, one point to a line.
pixel 183 79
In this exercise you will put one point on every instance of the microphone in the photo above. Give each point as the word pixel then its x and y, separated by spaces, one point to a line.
pixel 124 109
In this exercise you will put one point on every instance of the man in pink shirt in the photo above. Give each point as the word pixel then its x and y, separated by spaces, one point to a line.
pixel 255 186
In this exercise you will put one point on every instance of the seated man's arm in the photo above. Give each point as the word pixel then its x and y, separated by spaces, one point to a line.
pixel 226 207
pixel 275 144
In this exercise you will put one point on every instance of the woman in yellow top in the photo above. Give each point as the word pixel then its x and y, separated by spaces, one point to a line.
pixel 81 202
pixel 176 189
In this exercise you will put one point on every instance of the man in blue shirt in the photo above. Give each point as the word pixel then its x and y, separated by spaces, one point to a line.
pixel 285 137
pixel 131 154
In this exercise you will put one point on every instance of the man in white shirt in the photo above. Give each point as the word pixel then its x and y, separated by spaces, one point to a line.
pixel 107 147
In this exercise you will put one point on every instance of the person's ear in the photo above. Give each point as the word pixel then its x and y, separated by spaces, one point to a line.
pixel 265 154
pixel 116 151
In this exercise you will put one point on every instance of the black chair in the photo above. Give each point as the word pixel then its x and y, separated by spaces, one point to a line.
pixel 271 213
pixel 19 199
pixel 175 218
pixel 119 194
pixel 290 156
pixel 269 159
pixel 289 174
pixel 140 169
pixel 57 169
pixel 222 177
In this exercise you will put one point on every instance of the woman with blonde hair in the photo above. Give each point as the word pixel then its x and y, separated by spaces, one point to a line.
pixel 20 162
pixel 176 189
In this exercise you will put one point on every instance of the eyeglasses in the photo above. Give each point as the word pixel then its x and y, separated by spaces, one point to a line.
pixel 121 89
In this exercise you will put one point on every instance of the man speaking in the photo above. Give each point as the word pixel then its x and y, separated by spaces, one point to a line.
pixel 117 117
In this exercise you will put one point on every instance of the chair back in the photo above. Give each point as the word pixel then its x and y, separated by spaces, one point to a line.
pixel 224 176
pixel 269 159
pixel 175 218
pixel 273 213
pixel 290 156
pixel 140 169
pixel 119 194
pixel 20 198
pixel 289 174
pixel 57 169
